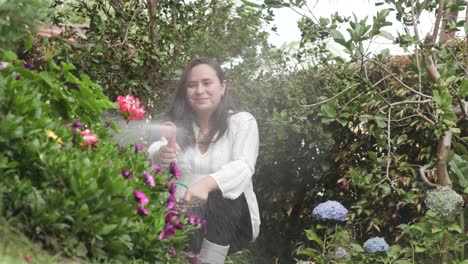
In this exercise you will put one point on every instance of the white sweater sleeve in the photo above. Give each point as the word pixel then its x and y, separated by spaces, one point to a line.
pixel 234 176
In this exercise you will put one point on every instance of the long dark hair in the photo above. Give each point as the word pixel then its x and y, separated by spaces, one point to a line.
pixel 181 113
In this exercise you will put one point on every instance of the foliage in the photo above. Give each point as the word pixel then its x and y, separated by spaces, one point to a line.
pixel 17 20
pixel 369 123
pixel 71 193
pixel 131 46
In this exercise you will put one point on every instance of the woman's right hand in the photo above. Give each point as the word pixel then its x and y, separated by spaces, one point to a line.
pixel 166 155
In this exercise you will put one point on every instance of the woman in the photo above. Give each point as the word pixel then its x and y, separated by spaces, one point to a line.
pixel 217 161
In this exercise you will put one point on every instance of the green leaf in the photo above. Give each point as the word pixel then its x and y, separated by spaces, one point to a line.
pixel 312 236
pixel 8 56
pixel 464 85
pixel 402 139
pixel 251 4
pixel 307 252
pixel 107 229
pixel 372 155
pixel 357 247
pixel 419 249
pixel 455 227
pixel 459 167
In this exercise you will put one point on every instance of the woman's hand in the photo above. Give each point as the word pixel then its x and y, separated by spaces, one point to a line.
pixel 165 156
pixel 198 192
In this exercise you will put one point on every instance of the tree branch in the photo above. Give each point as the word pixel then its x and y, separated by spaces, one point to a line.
pixel 440 11
pixel 400 81
pixel 329 99
pixel 427 183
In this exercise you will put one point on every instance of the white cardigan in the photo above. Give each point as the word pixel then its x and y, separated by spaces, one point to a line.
pixel 230 161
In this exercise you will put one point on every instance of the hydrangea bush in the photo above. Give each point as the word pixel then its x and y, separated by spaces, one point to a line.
pixel 376 245
pixel 66 184
pixel 445 202
pixel 330 211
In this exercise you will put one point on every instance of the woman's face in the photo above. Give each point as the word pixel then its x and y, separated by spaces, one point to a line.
pixel 204 90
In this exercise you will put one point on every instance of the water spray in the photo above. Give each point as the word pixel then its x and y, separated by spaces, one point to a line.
pixel 170 132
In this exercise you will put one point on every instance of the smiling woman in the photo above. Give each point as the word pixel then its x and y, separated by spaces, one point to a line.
pixel 218 161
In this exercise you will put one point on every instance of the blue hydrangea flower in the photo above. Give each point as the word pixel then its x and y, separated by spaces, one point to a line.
pixel 330 210
pixel 340 253
pixel 376 244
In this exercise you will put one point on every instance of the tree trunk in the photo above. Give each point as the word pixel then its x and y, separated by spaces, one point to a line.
pixel 448 17
pixel 152 11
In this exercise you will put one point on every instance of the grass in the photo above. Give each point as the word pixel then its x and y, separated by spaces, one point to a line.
pixel 16 248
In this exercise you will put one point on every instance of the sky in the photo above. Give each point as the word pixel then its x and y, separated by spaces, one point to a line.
pixel 286 21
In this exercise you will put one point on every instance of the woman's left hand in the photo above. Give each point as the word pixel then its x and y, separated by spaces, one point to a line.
pixel 198 192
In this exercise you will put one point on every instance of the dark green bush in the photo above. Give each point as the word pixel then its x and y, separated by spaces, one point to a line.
pixel 71 196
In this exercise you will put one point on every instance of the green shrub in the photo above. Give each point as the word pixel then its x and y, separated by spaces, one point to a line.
pixel 70 195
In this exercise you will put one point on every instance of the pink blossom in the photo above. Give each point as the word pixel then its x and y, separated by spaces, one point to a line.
pixel 141 197
pixel 89 137
pixel 127 174
pixel 86 132
pixel 171 202
pixel 149 179
pixel 142 211
pixel 157 169
pixel 130 107
pixel 138 148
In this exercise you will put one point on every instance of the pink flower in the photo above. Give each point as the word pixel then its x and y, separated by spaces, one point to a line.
pixel 85 133
pixel 174 170
pixel 127 174
pixel 171 202
pixel 130 107
pixel 138 148
pixel 157 169
pixel 149 179
pixel 89 138
pixel 142 211
pixel 141 197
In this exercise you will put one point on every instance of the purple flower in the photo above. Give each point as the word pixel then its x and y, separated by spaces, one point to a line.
pixel 193 257
pixel 149 180
pixel 172 250
pixel 171 202
pixel 28 65
pixel 157 169
pixel 107 123
pixel 138 148
pixel 18 77
pixel 194 219
pixel 168 231
pixel 127 174
pixel 174 170
pixel 142 211
pixel 376 244
pixel 141 197
pixel 76 125
pixel 172 188
pixel 330 210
